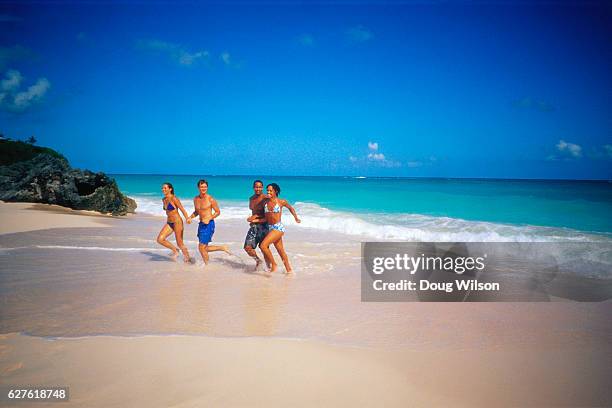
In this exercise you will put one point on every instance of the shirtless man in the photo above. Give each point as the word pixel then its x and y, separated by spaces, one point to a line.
pixel 257 221
pixel 204 205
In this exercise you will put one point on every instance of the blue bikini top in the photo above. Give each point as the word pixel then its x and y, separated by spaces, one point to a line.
pixel 170 207
pixel 276 208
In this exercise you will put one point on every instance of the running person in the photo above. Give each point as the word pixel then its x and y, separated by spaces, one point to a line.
pixel 257 221
pixel 204 205
pixel 174 223
pixel 273 211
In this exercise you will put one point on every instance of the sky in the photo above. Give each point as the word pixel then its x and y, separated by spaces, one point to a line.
pixel 410 89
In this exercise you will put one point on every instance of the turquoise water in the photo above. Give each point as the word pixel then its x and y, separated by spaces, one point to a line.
pixel 583 206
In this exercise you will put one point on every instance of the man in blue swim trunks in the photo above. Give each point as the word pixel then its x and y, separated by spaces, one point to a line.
pixel 207 209
pixel 257 221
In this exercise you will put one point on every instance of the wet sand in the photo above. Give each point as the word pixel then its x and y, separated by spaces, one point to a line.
pixel 250 336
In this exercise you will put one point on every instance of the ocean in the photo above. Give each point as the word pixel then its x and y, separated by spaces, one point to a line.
pixel 409 209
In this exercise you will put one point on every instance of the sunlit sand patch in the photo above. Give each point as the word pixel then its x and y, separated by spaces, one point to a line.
pixel 12 367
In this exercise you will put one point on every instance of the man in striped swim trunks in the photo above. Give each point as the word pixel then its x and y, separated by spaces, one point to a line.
pixel 257 221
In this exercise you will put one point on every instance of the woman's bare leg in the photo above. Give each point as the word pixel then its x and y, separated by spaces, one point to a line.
pixel 264 256
pixel 178 233
pixel 161 239
pixel 280 248
pixel 272 237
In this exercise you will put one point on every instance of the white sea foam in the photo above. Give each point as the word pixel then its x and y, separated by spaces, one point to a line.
pixel 96 248
pixel 415 227
pixel 153 206
pixel 86 248
pixel 399 226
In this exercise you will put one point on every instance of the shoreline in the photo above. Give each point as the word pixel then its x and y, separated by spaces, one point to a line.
pixel 400 226
pixel 325 266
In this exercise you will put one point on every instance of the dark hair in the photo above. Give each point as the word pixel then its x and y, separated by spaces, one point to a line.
pixel 170 187
pixel 276 188
pixel 257 181
pixel 202 181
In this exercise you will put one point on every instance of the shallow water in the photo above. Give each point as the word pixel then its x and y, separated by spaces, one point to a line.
pixel 118 281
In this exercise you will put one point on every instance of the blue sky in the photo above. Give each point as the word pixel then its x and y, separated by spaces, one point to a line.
pixel 415 89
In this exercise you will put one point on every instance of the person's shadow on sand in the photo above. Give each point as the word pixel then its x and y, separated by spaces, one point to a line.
pixel 236 262
pixel 157 257
pixel 233 262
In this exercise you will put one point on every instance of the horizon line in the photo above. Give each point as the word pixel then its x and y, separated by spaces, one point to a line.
pixel 363 177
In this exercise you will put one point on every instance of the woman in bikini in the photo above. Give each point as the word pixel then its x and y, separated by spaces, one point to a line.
pixel 273 211
pixel 171 205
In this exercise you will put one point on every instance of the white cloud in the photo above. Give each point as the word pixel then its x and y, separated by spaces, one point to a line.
pixel 391 163
pixel 307 40
pixel 226 57
pixel 13 100
pixel 34 93
pixel 176 52
pixel 12 81
pixel 572 149
pixel 359 34
pixel 188 59
pixel 376 156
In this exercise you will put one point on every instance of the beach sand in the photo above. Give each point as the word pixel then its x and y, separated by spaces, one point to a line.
pixel 106 312
pixel 20 217
pixel 191 371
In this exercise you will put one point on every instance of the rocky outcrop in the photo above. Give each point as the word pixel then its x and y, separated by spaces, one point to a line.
pixel 49 179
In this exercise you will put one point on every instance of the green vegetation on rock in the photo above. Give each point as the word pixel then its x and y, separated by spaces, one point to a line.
pixel 17 151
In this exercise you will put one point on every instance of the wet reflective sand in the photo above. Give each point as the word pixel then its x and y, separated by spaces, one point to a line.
pixel 118 281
